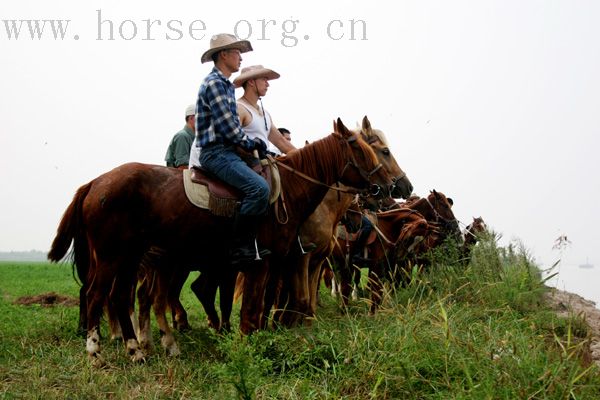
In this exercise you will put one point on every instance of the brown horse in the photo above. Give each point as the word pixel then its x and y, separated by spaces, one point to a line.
pixel 436 209
pixel 299 292
pixel 471 235
pixel 398 233
pixel 120 214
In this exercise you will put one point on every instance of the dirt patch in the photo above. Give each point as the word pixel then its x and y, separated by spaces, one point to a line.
pixel 566 304
pixel 48 300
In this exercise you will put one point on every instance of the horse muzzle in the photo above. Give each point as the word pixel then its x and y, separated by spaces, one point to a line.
pixel 401 188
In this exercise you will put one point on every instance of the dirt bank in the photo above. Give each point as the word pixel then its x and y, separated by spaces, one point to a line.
pixel 565 303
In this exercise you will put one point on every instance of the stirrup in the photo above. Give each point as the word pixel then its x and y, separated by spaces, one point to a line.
pixel 307 248
pixel 260 253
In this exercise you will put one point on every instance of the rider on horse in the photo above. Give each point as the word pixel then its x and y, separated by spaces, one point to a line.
pixel 219 137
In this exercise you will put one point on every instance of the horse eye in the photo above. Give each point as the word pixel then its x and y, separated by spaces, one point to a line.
pixel 386 151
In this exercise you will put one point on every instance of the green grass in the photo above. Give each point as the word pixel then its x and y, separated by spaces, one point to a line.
pixel 458 332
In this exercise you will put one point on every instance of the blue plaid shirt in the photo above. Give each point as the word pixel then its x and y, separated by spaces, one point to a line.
pixel 217 120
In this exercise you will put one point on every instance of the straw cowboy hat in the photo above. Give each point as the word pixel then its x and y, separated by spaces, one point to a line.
pixel 254 72
pixel 225 41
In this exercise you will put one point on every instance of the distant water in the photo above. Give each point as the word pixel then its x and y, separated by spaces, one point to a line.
pixel 582 281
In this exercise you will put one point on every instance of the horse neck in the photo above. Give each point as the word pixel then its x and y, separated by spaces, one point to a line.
pixel 322 160
pixel 390 223
pixel 335 204
pixel 424 206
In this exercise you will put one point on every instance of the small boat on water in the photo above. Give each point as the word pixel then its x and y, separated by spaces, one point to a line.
pixel 587 265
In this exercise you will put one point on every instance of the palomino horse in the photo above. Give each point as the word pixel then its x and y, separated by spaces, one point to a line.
pixel 120 214
pixel 470 237
pixel 300 283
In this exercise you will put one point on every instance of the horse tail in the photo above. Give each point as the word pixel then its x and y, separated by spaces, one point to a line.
pixel 70 230
pixel 239 287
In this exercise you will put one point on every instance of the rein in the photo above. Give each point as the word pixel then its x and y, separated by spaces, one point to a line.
pixel 313 180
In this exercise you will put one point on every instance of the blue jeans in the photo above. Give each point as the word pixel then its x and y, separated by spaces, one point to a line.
pixel 223 161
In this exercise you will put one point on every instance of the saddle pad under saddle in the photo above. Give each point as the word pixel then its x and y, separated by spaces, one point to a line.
pixel 200 196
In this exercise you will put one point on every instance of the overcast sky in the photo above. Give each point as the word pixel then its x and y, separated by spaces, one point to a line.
pixel 494 103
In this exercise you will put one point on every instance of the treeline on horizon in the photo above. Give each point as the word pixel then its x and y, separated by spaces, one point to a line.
pixel 31 255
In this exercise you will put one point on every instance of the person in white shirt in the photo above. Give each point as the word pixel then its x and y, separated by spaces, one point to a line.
pixel 256 122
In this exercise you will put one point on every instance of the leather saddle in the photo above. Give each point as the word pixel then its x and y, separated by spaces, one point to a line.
pixel 223 190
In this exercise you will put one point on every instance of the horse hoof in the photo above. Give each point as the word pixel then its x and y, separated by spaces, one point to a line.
pixel 146 345
pixel 138 357
pixel 183 326
pixel 97 360
pixel 173 351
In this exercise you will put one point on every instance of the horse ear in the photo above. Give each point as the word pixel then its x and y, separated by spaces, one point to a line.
pixel 366 126
pixel 341 129
pixel 450 200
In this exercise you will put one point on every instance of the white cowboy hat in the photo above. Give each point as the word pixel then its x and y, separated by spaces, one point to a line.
pixel 225 41
pixel 254 72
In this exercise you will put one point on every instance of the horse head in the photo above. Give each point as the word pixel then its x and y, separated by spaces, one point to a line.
pixel 363 170
pixel 401 187
pixel 442 206
pixel 476 227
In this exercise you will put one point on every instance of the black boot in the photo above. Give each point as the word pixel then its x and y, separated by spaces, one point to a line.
pixel 244 249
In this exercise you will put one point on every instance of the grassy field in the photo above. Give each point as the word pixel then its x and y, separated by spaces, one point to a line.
pixel 478 332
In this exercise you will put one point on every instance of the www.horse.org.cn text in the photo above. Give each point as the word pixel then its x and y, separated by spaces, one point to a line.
pixel 288 32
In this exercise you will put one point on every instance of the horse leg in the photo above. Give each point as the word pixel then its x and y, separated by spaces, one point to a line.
pixel 299 292
pixel 375 286
pixel 120 296
pixel 144 296
pixel 355 282
pixel 205 289
pixel 345 283
pixel 96 294
pixel 255 280
pixel 314 280
pixel 159 305
pixel 276 289
pixel 82 325
pixel 278 297
pixel 226 289
pixel 113 323
pixel 180 318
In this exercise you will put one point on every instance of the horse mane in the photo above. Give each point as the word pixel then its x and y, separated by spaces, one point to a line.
pixel 320 158
pixel 376 132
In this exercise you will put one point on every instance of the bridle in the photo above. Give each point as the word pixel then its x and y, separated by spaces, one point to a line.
pixel 372 139
pixel 374 189
pixel 447 224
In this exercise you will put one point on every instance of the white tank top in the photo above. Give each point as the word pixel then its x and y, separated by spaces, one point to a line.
pixel 256 127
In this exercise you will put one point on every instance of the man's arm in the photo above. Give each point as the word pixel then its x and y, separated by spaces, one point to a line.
pixel 275 137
